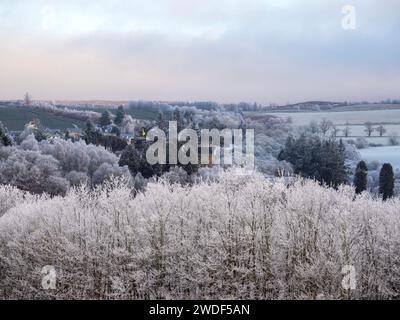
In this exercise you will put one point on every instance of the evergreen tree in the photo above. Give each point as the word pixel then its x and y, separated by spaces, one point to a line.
pixel 386 181
pixel 5 140
pixel 136 161
pixel 113 143
pixel 120 116
pixel 105 119
pixel 311 157
pixel 91 135
pixel 342 170
pixel 116 131
pixel 360 177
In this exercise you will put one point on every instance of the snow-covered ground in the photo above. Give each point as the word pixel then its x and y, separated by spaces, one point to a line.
pixel 359 130
pixel 340 118
pixel 390 154
pixel 356 120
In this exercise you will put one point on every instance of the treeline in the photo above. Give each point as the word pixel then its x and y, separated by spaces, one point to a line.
pixel 316 158
pixel 324 160
pixel 53 167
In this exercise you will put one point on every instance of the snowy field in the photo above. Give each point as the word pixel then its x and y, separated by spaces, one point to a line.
pixel 382 154
pixel 356 121
pixel 379 141
pixel 340 118
pixel 359 131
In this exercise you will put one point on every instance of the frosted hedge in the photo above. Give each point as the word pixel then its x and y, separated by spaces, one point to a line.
pixel 238 237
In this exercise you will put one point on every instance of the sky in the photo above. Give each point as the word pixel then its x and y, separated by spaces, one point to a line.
pixel 264 51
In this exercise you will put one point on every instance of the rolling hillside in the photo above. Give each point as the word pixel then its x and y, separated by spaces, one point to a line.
pixel 14 118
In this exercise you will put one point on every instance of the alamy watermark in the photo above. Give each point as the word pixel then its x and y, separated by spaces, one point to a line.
pixel 349 21
pixel 227 147
pixel 49 280
pixel 349 278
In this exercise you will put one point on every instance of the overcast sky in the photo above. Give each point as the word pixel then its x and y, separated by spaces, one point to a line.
pixel 222 50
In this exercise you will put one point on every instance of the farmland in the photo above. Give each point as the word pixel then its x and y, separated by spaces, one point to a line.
pixel 340 118
pixel 15 118
pixel 355 120
pixel 389 154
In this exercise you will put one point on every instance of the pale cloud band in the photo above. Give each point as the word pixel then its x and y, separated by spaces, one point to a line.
pixel 228 50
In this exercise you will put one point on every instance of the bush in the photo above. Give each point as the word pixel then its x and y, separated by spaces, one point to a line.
pixel 362 143
pixel 238 237
pixel 52 167
pixel 394 140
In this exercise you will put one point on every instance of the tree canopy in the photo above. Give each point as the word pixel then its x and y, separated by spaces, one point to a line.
pixel 313 157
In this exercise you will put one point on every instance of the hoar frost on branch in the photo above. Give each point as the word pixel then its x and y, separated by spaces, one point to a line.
pixel 52 167
pixel 241 237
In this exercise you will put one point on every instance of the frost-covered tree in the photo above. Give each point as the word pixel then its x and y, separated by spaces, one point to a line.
pixel 369 128
pixel 32 171
pixel 51 167
pixel 381 130
pixel 347 130
pixel 5 139
pixel 33 127
pixel 234 237
pixel 314 127
pixel 325 126
pixel 394 139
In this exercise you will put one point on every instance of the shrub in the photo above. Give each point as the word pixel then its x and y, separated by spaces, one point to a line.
pixel 240 237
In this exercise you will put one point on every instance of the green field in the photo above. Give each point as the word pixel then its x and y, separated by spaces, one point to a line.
pixel 15 118
pixel 140 113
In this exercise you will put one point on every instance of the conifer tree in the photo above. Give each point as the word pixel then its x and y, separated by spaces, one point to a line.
pixel 386 181
pixel 5 140
pixel 360 177
pixel 311 157
pixel 120 116
pixel 105 119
